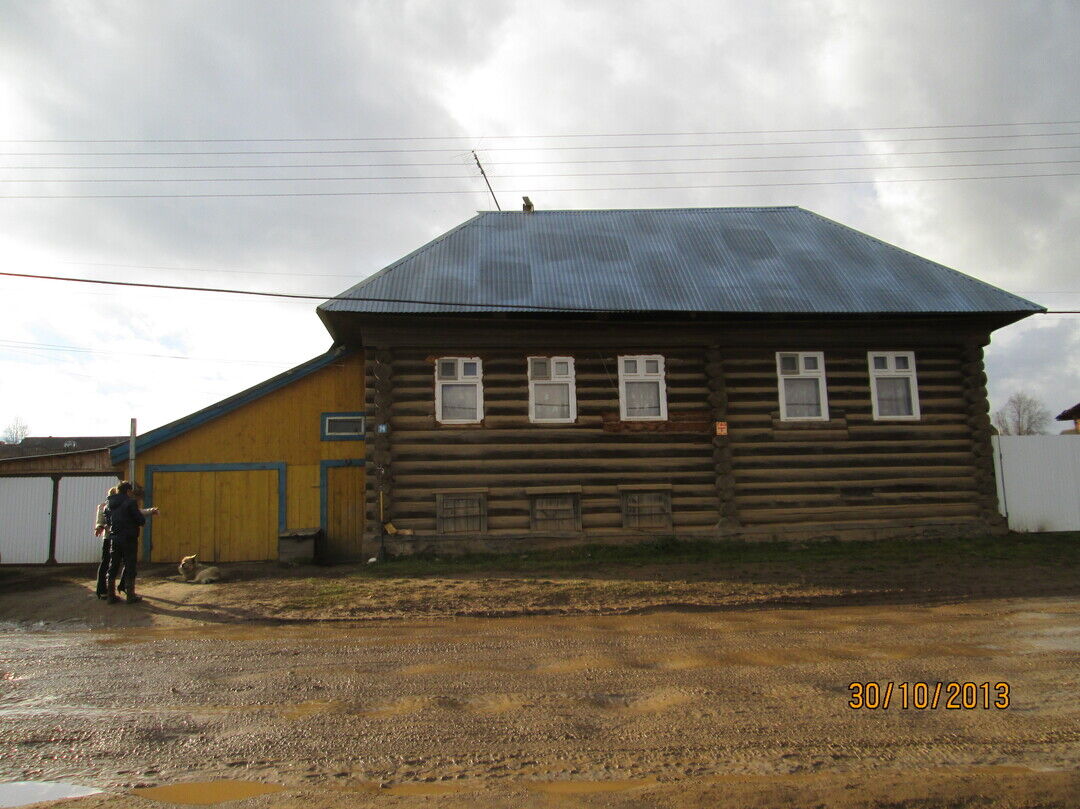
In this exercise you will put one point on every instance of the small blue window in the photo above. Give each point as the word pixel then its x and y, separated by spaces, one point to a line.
pixel 343 426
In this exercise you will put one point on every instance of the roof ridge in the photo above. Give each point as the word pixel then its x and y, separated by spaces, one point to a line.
pixel 923 259
pixel 650 210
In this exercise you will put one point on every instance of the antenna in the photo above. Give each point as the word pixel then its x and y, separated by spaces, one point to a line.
pixel 484 175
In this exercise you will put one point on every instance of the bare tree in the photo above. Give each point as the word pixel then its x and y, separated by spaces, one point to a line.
pixel 15 432
pixel 1022 415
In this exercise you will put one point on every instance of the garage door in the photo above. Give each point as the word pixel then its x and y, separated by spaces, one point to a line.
pixel 224 516
pixel 26 506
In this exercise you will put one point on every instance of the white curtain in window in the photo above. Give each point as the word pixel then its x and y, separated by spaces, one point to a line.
pixel 894 396
pixel 552 401
pixel 642 399
pixel 458 402
pixel 801 398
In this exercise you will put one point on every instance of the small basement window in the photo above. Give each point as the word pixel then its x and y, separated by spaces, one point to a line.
pixel 646 509
pixel 459 391
pixel 463 512
pixel 894 390
pixel 802 386
pixel 343 426
pixel 556 512
pixel 642 390
pixel 552 392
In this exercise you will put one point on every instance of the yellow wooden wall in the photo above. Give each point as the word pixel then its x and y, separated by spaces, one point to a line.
pixel 281 427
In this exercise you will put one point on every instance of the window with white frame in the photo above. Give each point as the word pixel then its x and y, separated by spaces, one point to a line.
pixel 801 376
pixel 894 389
pixel 552 392
pixel 642 392
pixel 459 390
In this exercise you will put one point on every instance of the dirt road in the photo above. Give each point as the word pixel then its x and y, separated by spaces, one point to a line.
pixel 742 707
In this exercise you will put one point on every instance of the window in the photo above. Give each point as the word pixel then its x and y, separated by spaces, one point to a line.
pixel 802 386
pixel 556 512
pixel 459 393
pixel 646 509
pixel 894 390
pixel 343 426
pixel 552 392
pixel 461 512
pixel 642 392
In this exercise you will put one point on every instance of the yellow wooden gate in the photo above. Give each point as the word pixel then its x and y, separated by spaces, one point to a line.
pixel 224 516
pixel 344 512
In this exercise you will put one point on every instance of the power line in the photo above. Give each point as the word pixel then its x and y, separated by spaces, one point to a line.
pixel 300 296
pixel 22 345
pixel 539 162
pixel 608 189
pixel 531 176
pixel 554 148
pixel 548 136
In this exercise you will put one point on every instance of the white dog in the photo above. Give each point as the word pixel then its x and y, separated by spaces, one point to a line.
pixel 197 573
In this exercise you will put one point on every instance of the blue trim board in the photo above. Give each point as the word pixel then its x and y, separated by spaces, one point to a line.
pixel 210 467
pixel 324 474
pixel 356 414
pixel 144 442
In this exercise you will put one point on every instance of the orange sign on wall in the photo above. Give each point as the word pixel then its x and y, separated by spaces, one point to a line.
pixel 721 428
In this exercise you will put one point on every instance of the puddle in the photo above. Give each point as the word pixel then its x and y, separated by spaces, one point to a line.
pixel 586 787
pixel 423 789
pixel 1058 639
pixel 21 793
pixel 205 793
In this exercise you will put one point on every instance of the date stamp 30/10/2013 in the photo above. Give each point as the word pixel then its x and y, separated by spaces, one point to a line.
pixel 955 696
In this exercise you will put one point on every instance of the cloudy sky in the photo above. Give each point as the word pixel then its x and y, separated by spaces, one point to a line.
pixel 299 121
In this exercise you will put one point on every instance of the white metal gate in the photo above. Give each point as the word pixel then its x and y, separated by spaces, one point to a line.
pixel 1038 480
pixel 26 519
pixel 26 509
pixel 75 540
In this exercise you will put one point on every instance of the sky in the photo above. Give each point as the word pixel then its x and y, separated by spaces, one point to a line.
pixel 861 111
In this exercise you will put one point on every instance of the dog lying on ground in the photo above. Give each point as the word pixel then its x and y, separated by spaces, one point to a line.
pixel 196 573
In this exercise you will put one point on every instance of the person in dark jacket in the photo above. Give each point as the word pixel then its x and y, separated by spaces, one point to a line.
pixel 124 519
pixel 101 529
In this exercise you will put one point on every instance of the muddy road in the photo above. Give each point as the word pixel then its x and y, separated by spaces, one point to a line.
pixel 741 707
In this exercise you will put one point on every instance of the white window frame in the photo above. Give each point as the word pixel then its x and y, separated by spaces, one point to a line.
pixel 893 373
pixel 459 379
pixel 642 376
pixel 552 379
pixel 803 373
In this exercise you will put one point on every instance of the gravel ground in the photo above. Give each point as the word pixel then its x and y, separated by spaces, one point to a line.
pixel 747 705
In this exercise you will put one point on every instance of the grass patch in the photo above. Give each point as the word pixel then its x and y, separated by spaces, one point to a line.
pixel 1056 549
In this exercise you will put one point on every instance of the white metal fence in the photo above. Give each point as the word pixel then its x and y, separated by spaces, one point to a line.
pixel 26 506
pixel 1038 481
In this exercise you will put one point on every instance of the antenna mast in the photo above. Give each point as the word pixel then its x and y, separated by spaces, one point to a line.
pixel 484 175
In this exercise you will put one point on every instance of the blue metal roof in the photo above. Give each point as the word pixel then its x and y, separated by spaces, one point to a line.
pixel 723 260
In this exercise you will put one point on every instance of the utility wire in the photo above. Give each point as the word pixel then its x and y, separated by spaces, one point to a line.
pixel 558 148
pixel 608 189
pixel 531 176
pixel 21 345
pixel 549 136
pixel 299 296
pixel 542 162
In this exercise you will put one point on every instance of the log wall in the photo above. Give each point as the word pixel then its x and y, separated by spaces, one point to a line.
pixel 850 476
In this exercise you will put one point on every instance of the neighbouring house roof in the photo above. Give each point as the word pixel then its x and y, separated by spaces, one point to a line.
pixel 49 445
pixel 782 260
pixel 180 426
pixel 1072 414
